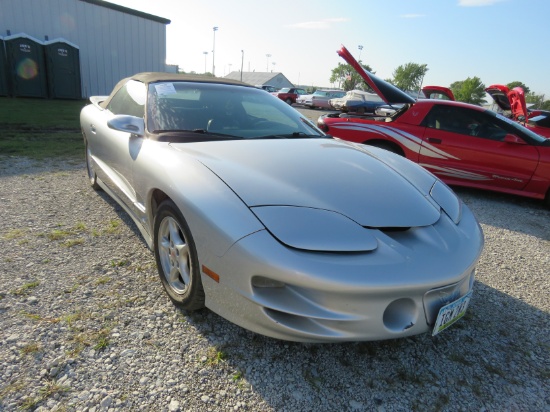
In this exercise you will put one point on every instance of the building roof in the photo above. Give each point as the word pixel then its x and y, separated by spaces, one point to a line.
pixel 127 10
pixel 258 78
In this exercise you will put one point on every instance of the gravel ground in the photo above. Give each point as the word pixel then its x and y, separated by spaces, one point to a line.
pixel 86 326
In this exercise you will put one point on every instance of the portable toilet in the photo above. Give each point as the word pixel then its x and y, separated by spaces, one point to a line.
pixel 63 68
pixel 4 91
pixel 26 66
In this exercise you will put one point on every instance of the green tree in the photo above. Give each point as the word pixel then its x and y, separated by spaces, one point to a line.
pixel 519 84
pixel 409 76
pixel 347 78
pixel 471 90
pixel 537 100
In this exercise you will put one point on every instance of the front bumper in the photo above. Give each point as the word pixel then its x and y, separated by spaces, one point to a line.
pixel 392 292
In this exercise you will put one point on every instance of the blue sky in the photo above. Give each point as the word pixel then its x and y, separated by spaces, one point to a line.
pixel 499 41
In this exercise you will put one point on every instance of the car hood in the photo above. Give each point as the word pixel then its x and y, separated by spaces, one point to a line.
pixel 445 91
pixel 387 92
pixel 322 174
pixel 506 99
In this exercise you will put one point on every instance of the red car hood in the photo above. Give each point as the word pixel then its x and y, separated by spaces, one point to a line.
pixel 506 99
pixel 445 91
pixel 387 92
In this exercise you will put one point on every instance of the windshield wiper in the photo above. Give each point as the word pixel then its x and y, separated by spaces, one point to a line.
pixel 294 135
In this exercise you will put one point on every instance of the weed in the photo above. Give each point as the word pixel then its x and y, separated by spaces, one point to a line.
pixel 30 349
pixel 13 234
pixel 215 356
pixel 113 226
pixel 72 242
pixel 23 290
pixel 102 280
pixel 58 234
pixel 120 263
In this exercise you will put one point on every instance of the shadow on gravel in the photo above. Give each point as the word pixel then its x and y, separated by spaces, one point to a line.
pixel 508 212
pixel 496 358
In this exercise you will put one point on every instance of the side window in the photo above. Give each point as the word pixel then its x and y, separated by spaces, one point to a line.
pixel 130 100
pixel 464 121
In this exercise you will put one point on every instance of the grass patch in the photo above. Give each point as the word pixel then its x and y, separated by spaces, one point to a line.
pixel 41 128
pixel 14 234
pixel 26 288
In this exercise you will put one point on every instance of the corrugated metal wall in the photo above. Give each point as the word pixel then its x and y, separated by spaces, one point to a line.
pixel 113 44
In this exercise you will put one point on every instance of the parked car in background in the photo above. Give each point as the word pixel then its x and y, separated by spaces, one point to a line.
pixel 513 105
pixel 463 144
pixel 321 100
pixel 254 212
pixel 289 94
pixel 268 88
pixel 357 101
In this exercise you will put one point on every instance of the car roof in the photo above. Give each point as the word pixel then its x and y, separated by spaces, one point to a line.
pixel 155 77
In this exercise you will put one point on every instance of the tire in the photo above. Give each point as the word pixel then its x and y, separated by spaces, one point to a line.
pixel 177 259
pixel 289 101
pixel 90 168
pixel 546 201
pixel 386 146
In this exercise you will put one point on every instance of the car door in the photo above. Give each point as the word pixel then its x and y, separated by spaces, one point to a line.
pixel 470 147
pixel 116 151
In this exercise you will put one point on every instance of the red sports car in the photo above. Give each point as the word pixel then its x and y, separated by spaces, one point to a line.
pixel 512 103
pixel 463 144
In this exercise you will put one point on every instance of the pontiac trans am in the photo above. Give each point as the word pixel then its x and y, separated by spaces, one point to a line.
pixel 462 144
pixel 255 213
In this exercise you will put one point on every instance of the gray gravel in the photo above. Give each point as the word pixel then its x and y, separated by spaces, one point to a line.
pixel 85 324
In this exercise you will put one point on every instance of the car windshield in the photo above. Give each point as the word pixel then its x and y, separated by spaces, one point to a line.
pixel 519 128
pixel 221 110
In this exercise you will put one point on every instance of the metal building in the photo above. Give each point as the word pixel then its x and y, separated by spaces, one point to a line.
pixel 114 41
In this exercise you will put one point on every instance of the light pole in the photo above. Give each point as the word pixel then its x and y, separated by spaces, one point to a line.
pixel 242 62
pixel 205 54
pixel 267 66
pixel 273 64
pixel 360 48
pixel 215 28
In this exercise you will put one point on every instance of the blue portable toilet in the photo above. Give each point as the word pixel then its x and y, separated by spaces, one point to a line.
pixel 26 66
pixel 63 68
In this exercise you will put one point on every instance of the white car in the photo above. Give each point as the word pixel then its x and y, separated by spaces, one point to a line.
pixel 253 212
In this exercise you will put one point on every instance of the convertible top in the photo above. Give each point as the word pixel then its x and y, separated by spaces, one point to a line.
pixel 155 77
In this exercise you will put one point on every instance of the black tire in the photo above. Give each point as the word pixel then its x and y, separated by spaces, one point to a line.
pixel 546 201
pixel 386 146
pixel 90 168
pixel 289 101
pixel 177 259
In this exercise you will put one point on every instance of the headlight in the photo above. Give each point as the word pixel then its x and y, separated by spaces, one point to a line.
pixel 315 229
pixel 447 200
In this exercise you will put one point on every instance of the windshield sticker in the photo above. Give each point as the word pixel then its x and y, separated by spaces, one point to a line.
pixel 165 88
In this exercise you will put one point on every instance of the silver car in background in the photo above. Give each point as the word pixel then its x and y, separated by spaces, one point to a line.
pixel 253 212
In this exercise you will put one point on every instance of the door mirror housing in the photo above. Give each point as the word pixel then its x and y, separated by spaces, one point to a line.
pixel 512 138
pixel 128 124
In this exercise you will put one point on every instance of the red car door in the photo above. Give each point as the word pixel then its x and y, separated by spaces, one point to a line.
pixel 469 147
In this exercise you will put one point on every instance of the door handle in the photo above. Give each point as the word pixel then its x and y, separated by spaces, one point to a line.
pixel 433 140
pixel 92 129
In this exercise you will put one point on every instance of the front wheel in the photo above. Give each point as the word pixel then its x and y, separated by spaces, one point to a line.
pixel 289 101
pixel 177 259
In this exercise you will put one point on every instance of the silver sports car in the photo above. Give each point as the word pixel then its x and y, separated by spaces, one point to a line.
pixel 254 213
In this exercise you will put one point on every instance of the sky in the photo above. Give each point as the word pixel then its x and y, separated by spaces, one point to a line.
pixel 499 41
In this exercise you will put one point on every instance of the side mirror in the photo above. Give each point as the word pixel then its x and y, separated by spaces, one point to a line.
pixel 128 124
pixel 512 138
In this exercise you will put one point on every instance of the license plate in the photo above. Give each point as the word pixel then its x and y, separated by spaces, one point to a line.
pixel 450 313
